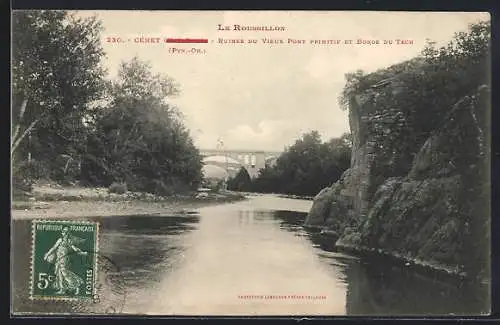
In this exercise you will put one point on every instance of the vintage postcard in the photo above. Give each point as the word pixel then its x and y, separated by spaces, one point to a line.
pixel 239 163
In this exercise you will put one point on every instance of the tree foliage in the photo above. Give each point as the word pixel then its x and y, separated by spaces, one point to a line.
pixel 405 102
pixel 71 123
pixel 240 182
pixel 354 82
pixel 438 77
pixel 56 75
pixel 139 138
pixel 307 166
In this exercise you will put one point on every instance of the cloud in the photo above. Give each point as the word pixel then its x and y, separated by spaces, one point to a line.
pixel 267 135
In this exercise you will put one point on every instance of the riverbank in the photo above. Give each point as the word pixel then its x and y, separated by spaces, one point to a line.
pixel 298 197
pixel 285 196
pixel 422 267
pixel 55 201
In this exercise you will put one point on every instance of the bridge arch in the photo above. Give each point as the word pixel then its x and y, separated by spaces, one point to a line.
pixel 229 164
pixel 252 160
pixel 213 171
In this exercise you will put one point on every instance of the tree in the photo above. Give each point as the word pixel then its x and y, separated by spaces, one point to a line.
pixel 353 83
pixel 307 166
pixel 267 181
pixel 240 182
pixel 56 73
pixel 140 138
pixel 452 71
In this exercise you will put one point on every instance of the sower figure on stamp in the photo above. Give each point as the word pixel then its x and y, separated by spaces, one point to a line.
pixel 65 279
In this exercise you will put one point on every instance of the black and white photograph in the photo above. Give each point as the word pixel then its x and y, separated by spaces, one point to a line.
pixel 250 163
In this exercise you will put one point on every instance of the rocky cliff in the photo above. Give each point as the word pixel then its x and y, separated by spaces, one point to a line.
pixel 417 187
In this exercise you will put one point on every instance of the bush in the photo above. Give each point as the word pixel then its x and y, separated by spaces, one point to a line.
pixel 240 182
pixel 158 186
pixel 118 188
pixel 24 174
pixel 30 170
pixel 21 186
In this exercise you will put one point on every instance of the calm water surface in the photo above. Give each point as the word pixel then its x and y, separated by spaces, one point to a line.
pixel 212 260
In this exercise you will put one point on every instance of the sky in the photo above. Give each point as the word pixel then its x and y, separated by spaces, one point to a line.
pixel 264 96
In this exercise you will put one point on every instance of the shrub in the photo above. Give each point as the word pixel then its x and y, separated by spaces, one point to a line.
pixel 118 188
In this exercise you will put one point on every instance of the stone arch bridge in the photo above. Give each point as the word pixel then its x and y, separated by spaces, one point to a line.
pixel 233 160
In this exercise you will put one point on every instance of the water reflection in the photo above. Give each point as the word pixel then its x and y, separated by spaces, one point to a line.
pixel 201 264
pixel 375 287
pixel 240 250
pixel 146 248
pixel 140 249
pixel 141 243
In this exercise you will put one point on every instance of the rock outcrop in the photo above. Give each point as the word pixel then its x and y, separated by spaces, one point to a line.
pixel 417 188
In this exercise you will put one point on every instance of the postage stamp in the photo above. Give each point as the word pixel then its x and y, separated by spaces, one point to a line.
pixel 64 259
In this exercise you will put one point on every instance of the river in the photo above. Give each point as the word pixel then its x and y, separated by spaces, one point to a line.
pixel 245 258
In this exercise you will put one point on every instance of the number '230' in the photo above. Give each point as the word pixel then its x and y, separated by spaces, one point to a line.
pixel 43 280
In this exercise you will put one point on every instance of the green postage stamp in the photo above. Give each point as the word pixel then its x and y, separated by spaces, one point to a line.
pixel 64 259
